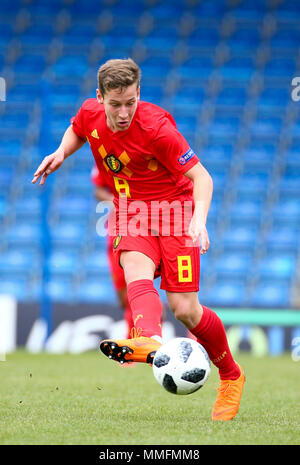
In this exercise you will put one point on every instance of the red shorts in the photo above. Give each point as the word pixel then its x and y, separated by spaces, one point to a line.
pixel 116 271
pixel 176 259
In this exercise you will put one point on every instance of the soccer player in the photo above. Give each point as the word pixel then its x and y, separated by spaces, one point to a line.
pixel 162 195
pixel 102 193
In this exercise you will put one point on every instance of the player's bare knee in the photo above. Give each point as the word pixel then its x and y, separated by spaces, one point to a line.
pixel 181 309
pixel 136 266
pixel 186 308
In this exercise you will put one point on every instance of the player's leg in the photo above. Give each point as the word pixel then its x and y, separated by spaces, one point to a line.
pixel 119 282
pixel 123 299
pixel 180 278
pixel 139 269
pixel 208 328
pixel 209 331
pixel 146 306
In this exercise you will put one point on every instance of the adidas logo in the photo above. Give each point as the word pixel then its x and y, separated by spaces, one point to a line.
pixel 94 133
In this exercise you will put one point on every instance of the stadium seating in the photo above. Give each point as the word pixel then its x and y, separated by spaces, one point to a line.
pixel 223 69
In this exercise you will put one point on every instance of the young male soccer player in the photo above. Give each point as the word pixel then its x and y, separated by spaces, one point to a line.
pixel 148 162
pixel 102 193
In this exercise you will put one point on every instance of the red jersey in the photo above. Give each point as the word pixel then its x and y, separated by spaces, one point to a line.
pixel 145 162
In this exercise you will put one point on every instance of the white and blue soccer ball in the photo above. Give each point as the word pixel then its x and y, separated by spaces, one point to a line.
pixel 181 366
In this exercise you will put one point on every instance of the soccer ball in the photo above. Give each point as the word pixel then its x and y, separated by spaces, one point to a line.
pixel 181 366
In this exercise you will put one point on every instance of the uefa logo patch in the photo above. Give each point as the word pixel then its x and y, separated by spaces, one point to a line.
pixel 186 157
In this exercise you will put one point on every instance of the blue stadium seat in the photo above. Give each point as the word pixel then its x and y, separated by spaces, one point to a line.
pixel 24 93
pixel 27 207
pixel 68 233
pixel 80 33
pixel 210 10
pixel 187 97
pixel 6 177
pixel 195 68
pixel 19 261
pixel 250 11
pixel 251 187
pixel 97 290
pixel 23 234
pixel 232 96
pixel 265 127
pixel 14 121
pixel 70 206
pixel 245 212
pixel 283 239
pixel 216 155
pixel 279 67
pixel 268 294
pixel 224 127
pixel 204 37
pixel 86 9
pixel 6 32
pixel 287 211
pixel 152 67
pixel 152 93
pixel 165 11
pixel 239 238
pixel 292 161
pixel 238 69
pixel 96 263
pixel 289 186
pixel 76 65
pixel 37 34
pixel 61 289
pixel 274 97
pixel 3 207
pixel 36 63
pixel 288 10
pixel 16 287
pixel 233 264
pixel 274 266
pixel 62 262
pixel 226 294
pixel 244 38
pixel 127 9
pixel 258 158
pixel 288 37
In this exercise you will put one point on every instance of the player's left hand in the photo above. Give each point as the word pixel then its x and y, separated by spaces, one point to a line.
pixel 197 230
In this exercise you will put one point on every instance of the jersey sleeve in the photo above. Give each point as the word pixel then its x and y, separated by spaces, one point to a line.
pixel 172 149
pixel 78 125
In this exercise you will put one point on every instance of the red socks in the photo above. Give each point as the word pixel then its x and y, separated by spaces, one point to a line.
pixel 146 307
pixel 210 332
pixel 128 319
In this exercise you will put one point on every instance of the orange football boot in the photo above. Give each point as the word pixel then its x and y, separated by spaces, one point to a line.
pixel 228 398
pixel 139 349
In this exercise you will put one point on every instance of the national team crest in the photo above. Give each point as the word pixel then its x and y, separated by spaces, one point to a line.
pixel 113 163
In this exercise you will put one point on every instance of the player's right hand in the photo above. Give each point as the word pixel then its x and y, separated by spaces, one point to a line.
pixel 50 164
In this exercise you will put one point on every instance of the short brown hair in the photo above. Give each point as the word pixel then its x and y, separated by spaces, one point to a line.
pixel 117 74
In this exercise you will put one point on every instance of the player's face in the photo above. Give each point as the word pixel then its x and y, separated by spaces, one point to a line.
pixel 120 106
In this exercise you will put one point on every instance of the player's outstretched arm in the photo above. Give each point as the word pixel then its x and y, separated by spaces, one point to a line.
pixel 203 189
pixel 69 144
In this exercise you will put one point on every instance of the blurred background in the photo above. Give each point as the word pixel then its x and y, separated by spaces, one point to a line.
pixel 224 69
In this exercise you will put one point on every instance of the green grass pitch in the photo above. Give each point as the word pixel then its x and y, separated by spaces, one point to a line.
pixel 87 399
